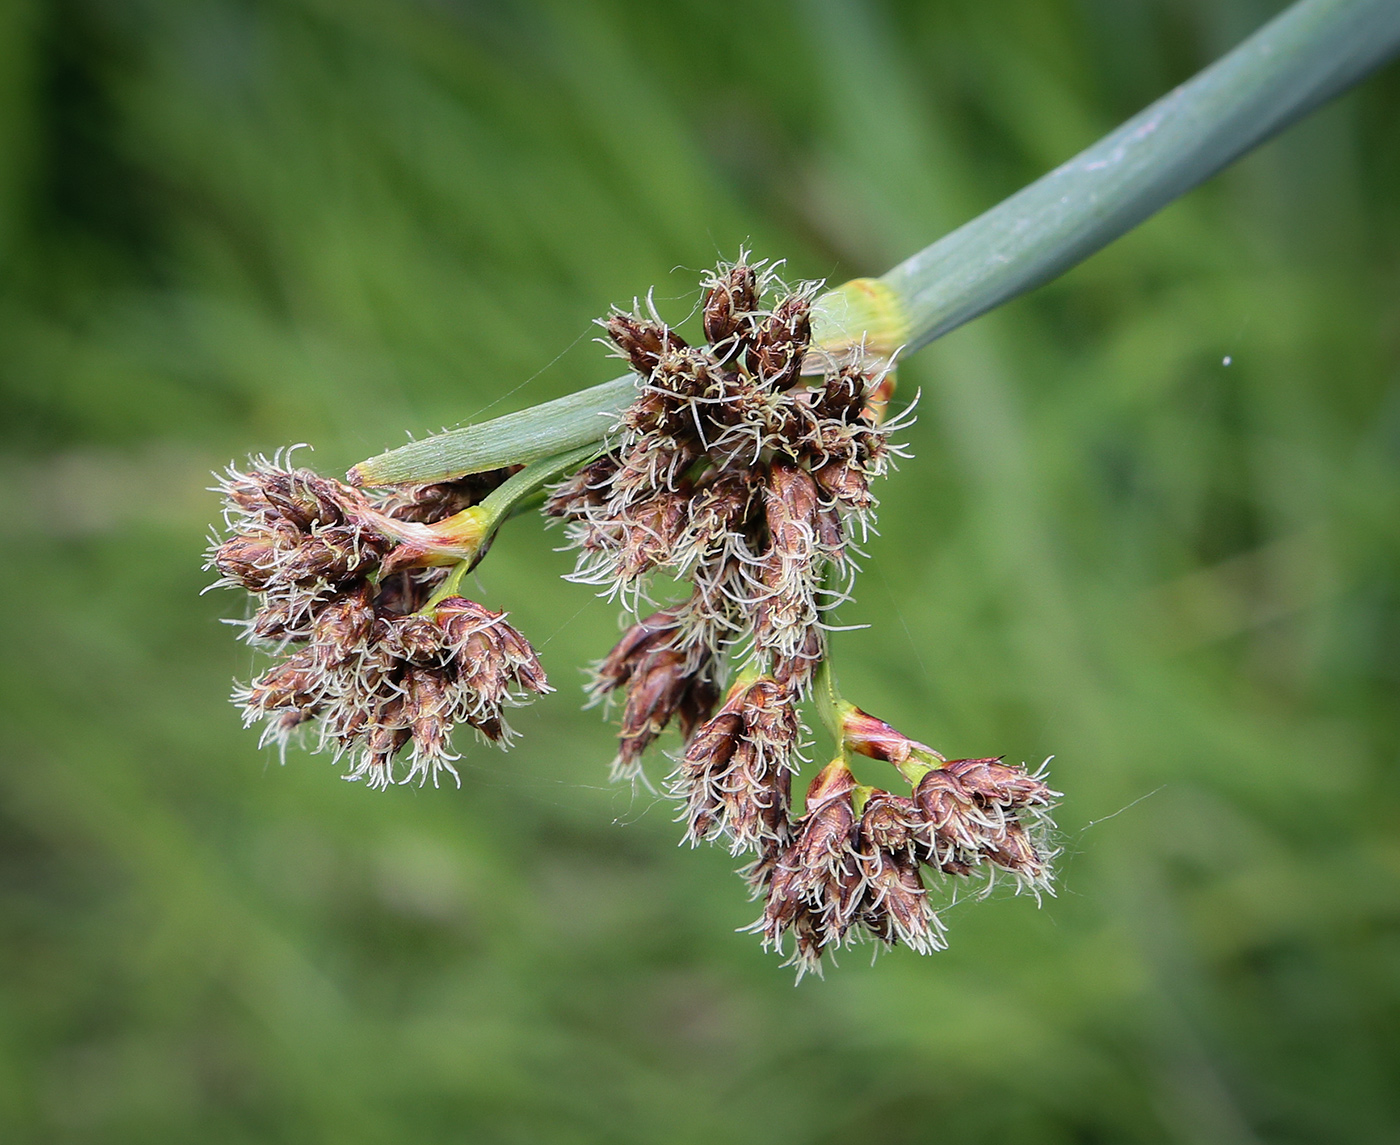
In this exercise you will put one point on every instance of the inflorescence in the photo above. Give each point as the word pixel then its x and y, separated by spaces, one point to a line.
pixel 351 592
pixel 742 468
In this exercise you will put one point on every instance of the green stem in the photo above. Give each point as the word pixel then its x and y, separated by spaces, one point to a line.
pixel 500 502
pixel 1313 51
pixel 532 434
pixel 831 708
pixel 451 586
pixel 913 770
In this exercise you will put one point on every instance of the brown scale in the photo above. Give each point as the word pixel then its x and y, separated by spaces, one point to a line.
pixel 795 672
pixel 815 875
pixel 891 822
pixel 414 639
pixel 427 708
pixel 248 559
pixel 651 534
pixel 894 900
pixel 587 487
pixel 841 872
pixel 844 485
pixel 480 642
pixel 843 396
pixel 722 503
pixel 377 672
pixel 958 837
pixel 294 683
pixel 642 343
pixel 996 782
pixel 342 628
pixel 775 357
pixel 791 511
pixel 405 591
pixel 652 463
pixel 757 795
pixel 338 553
pixel 727 457
pixel 277 621
pixel 727 302
pixel 304 498
pixel 666 406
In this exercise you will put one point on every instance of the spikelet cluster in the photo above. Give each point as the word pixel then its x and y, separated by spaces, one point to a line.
pixel 742 470
pixel 737 474
pixel 732 473
pixel 367 658
pixel 851 867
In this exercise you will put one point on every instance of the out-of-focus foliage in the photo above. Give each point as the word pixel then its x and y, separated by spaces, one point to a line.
pixel 1152 527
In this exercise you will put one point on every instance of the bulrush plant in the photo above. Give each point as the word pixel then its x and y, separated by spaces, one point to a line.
pixel 742 468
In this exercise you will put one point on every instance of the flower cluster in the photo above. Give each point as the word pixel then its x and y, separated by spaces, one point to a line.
pixel 742 469
pixel 731 473
pixel 730 470
pixel 349 591
pixel 851 867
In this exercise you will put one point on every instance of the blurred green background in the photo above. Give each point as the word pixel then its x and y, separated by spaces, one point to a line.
pixel 1150 528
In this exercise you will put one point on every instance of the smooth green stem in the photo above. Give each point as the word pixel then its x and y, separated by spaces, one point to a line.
pixel 501 500
pixel 914 769
pixel 566 423
pixel 860 796
pixel 830 706
pixel 451 586
pixel 1310 53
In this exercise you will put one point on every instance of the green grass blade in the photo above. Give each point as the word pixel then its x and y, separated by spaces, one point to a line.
pixel 1313 51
